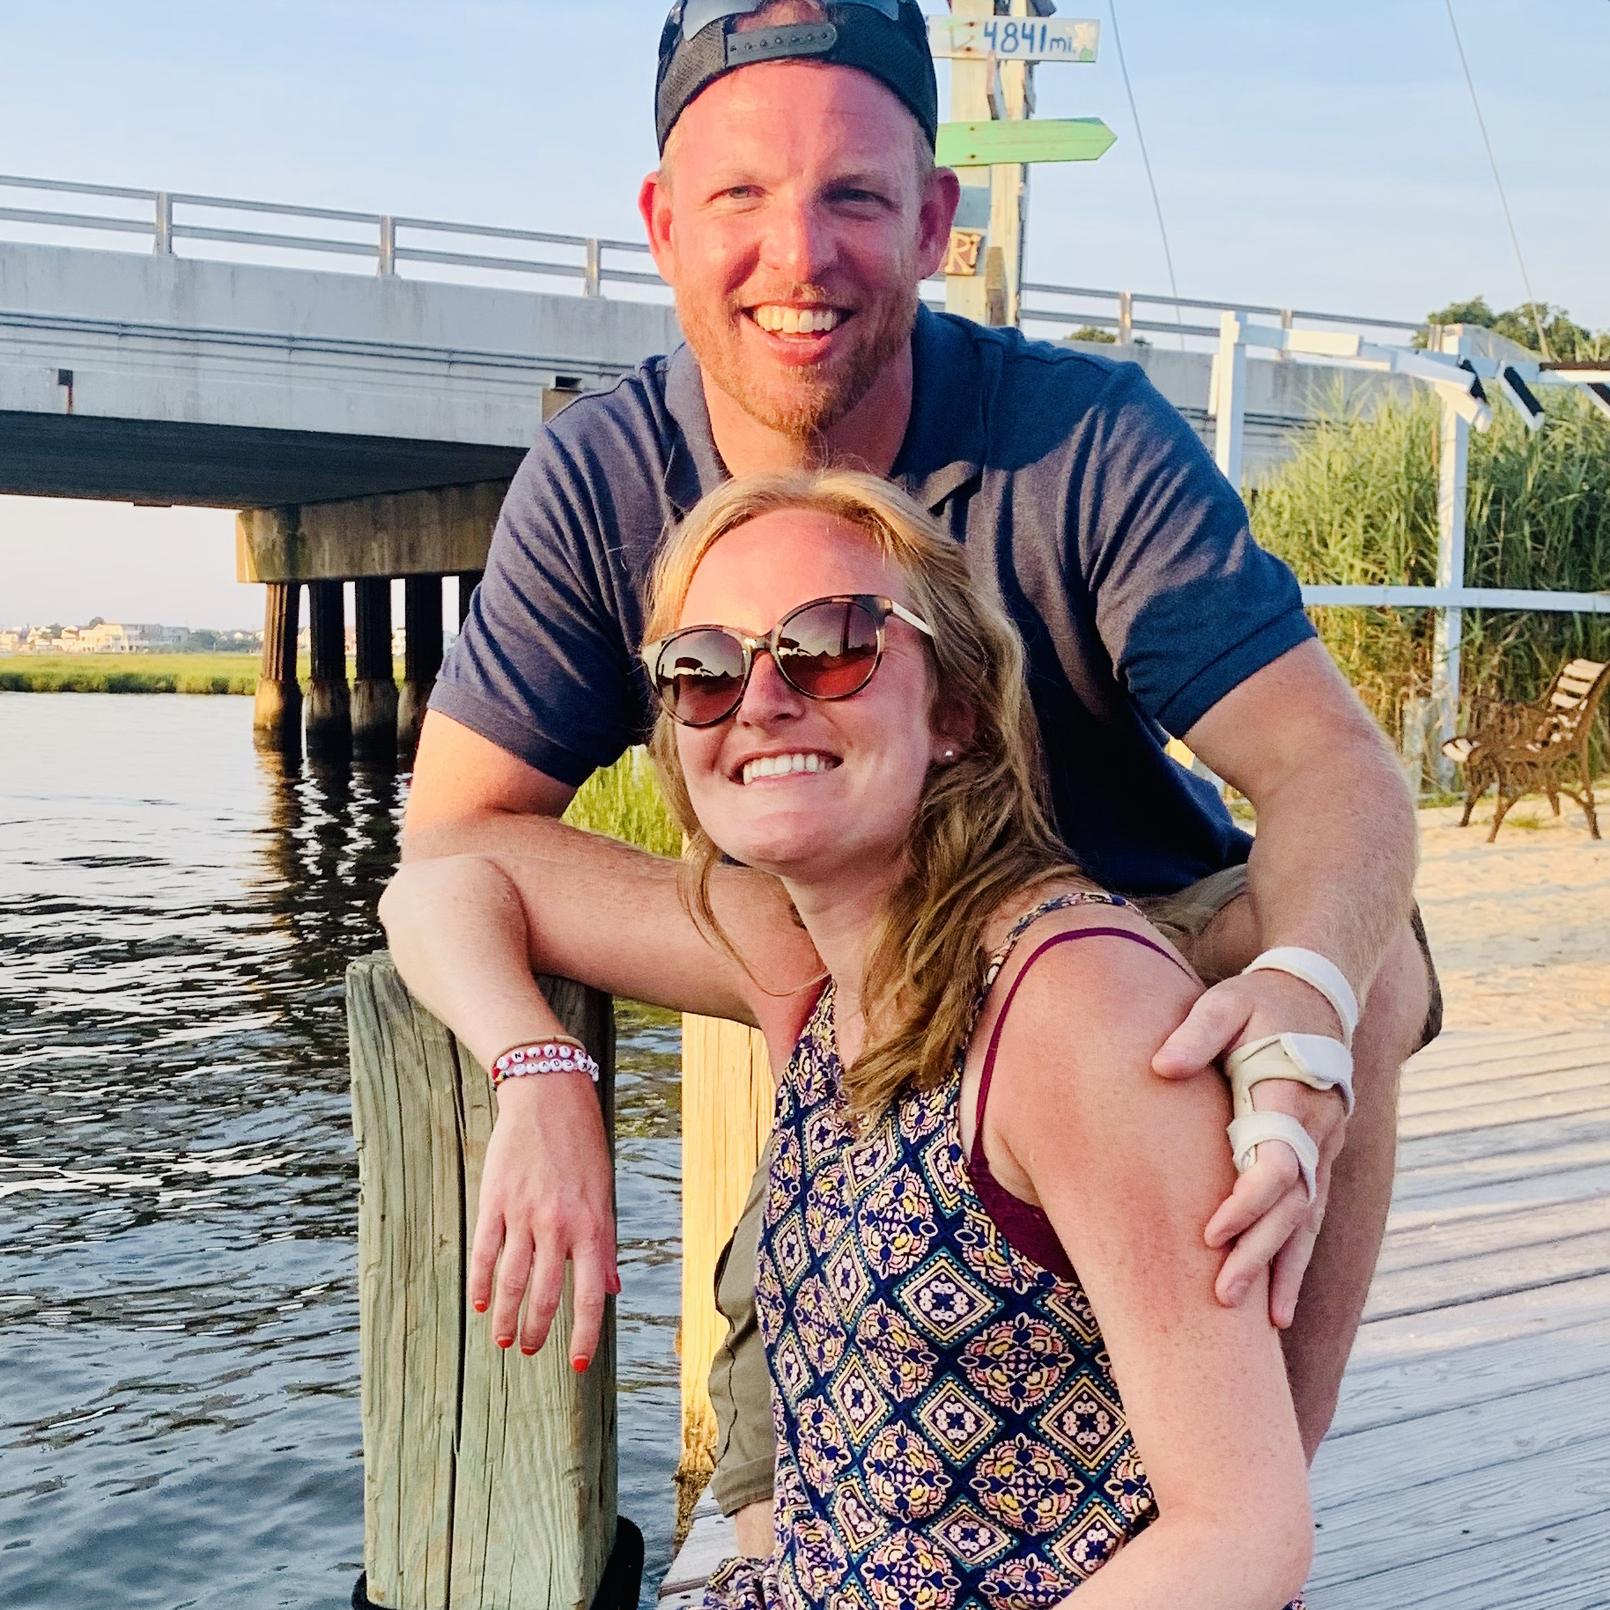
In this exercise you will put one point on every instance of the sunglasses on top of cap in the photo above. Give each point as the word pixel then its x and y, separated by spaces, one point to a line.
pixel 825 649
pixel 697 14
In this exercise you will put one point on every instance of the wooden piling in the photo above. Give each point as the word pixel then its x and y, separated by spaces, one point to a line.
pixel 468 581
pixel 489 1478
pixel 727 1097
pixel 422 656
pixel 277 713
pixel 329 705
pixel 374 689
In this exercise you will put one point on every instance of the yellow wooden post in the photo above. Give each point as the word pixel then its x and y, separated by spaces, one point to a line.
pixel 970 101
pixel 726 1117
pixel 489 1478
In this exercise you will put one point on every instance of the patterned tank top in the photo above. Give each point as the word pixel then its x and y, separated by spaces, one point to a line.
pixel 949 1432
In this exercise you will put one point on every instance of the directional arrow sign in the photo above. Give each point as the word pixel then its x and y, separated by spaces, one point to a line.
pixel 1013 38
pixel 981 145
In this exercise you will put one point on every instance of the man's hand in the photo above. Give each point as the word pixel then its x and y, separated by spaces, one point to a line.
pixel 545 1201
pixel 1268 1216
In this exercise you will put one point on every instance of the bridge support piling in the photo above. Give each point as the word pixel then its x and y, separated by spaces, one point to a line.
pixel 277 715
pixel 468 581
pixel 422 656
pixel 329 707
pixel 374 692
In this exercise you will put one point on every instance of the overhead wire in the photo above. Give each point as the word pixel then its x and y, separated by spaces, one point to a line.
pixel 1146 161
pixel 1503 200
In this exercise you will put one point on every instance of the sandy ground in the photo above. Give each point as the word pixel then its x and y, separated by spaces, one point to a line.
pixel 1520 928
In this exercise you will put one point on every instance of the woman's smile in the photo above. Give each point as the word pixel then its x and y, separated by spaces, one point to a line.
pixel 785 766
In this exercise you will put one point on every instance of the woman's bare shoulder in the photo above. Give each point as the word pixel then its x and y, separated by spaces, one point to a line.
pixel 1112 986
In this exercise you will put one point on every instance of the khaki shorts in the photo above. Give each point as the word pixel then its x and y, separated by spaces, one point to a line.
pixel 740 1386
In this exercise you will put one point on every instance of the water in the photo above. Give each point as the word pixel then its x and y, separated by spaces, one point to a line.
pixel 179 1421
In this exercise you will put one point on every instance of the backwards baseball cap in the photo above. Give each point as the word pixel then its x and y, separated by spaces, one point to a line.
pixel 701 42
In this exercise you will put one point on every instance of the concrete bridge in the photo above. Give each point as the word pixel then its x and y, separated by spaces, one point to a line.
pixel 366 424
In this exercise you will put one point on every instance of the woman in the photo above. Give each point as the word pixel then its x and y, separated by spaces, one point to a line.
pixel 984 1210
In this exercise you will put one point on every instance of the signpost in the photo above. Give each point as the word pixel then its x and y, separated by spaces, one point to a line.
pixel 993 46
pixel 984 145
pixel 1013 39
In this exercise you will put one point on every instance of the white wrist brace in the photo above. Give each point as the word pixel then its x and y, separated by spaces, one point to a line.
pixel 1319 973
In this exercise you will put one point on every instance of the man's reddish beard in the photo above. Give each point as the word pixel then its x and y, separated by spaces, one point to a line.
pixel 805 401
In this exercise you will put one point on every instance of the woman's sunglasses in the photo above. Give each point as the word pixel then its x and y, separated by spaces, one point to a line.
pixel 826 649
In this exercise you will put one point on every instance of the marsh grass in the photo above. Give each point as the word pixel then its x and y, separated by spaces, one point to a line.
pixel 142 673
pixel 625 802
pixel 129 673
pixel 1357 505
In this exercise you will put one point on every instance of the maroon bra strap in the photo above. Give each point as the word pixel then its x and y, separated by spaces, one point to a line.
pixel 978 1161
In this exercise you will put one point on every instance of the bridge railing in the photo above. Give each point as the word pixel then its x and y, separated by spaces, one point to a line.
pixel 389 240
pixel 393 241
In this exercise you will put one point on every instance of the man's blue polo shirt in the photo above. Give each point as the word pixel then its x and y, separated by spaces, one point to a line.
pixel 1117 547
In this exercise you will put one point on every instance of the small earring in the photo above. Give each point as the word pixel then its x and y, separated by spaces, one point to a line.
pixel 950 754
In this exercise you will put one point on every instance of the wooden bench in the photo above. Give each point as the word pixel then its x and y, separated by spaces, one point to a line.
pixel 1524 748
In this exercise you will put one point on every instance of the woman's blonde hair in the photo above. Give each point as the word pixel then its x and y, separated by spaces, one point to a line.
pixel 982 831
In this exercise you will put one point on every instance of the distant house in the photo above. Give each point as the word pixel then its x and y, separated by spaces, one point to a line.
pixel 399 641
pixel 12 642
pixel 125 637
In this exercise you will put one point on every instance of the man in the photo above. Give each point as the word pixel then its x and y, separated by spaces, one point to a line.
pixel 795 212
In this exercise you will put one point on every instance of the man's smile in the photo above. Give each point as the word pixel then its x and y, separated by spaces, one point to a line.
pixel 784 318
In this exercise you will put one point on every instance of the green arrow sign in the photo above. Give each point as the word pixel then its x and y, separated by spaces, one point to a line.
pixel 981 145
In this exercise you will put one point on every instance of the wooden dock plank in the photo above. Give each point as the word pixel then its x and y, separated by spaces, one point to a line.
pixel 1572 1073
pixel 1503 1497
pixel 1491 1227
pixel 1493 1170
pixel 1552 1185
pixel 1570 1101
pixel 1530 1136
pixel 1469 1465
pixel 1529 1423
pixel 1565 1569
pixel 1459 1066
pixel 1469 1378
pixel 1489 1274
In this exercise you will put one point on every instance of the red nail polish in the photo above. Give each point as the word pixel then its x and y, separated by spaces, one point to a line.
pixel 479 1306
pixel 578 1364
pixel 530 1352
pixel 505 1341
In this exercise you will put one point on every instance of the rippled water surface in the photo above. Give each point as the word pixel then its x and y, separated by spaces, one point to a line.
pixel 178 1303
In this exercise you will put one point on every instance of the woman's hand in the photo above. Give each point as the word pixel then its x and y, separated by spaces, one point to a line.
pixel 546 1197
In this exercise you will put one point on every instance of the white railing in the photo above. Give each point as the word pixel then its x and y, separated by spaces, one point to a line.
pixel 392 241
pixel 389 240
pixel 1122 320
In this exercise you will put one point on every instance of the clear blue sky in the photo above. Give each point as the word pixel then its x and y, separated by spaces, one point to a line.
pixel 1310 156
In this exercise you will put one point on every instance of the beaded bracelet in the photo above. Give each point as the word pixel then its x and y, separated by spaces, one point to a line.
pixel 556 1054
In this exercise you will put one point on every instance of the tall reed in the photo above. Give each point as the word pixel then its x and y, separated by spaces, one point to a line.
pixel 1357 505
pixel 624 801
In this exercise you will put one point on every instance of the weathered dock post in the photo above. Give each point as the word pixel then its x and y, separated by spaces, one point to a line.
pixel 489 1478
pixel 422 656
pixel 727 1097
pixel 374 687
pixel 277 713
pixel 329 705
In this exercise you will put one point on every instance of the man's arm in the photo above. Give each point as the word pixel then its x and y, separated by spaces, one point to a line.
pixel 469 795
pixel 1331 870
pixel 472 798
pixel 1332 866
